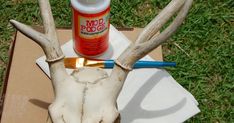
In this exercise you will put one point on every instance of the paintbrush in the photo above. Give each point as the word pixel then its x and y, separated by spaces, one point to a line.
pixel 77 62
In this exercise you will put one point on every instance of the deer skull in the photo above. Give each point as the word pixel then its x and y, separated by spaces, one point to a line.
pixel 89 95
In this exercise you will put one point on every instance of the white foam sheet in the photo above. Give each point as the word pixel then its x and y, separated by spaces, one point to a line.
pixel 148 95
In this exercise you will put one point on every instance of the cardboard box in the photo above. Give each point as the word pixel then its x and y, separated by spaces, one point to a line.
pixel 28 91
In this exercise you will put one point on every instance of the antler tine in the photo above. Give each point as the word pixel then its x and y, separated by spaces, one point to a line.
pixel 140 50
pixel 156 24
pixel 38 37
pixel 48 41
pixel 49 28
pixel 48 20
pixel 169 31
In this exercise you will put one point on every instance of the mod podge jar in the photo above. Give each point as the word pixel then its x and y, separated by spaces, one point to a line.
pixel 90 26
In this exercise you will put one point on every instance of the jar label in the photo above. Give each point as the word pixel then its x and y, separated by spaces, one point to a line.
pixel 91 32
pixel 93 27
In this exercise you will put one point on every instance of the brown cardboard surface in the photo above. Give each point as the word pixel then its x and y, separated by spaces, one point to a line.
pixel 29 90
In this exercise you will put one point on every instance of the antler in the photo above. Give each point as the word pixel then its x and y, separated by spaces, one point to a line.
pixel 149 40
pixel 88 95
pixel 48 41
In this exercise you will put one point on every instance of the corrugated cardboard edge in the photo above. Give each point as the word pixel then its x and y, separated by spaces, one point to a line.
pixel 6 77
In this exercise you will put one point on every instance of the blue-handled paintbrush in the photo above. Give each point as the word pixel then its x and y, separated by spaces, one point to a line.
pixel 77 62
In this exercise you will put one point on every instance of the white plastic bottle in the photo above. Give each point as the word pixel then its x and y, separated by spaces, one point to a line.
pixel 91 26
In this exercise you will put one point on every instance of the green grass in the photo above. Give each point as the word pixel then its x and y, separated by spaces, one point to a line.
pixel 205 65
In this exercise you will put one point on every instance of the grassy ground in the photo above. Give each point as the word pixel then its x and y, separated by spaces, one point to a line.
pixel 203 47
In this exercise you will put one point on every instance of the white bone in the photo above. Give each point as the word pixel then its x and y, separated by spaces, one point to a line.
pixel 89 95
